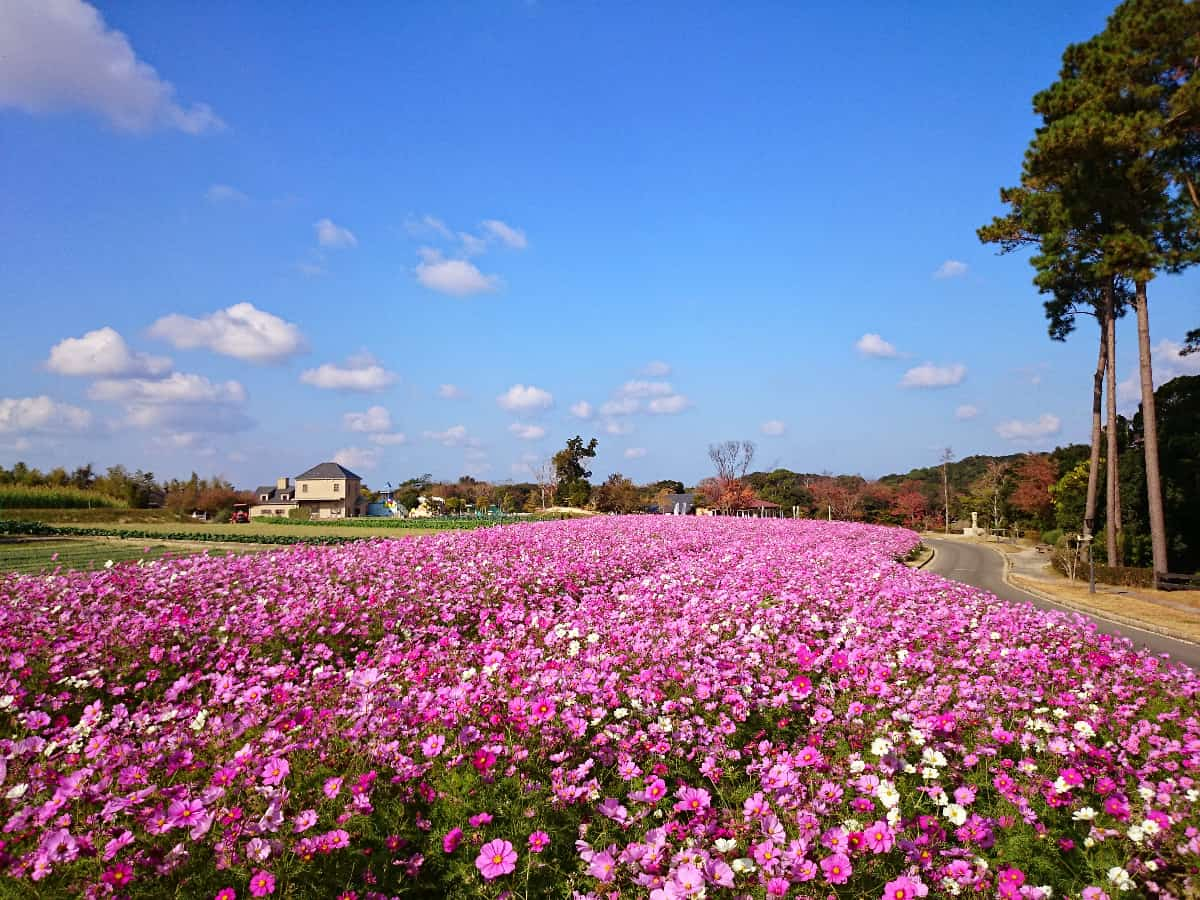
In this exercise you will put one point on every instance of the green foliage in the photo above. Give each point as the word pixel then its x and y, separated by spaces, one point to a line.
pixel 44 497
pixel 1052 537
pixel 573 486
pixel 1070 498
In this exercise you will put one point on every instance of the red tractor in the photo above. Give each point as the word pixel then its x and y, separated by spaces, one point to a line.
pixel 241 513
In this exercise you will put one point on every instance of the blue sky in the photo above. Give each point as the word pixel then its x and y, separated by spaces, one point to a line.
pixel 246 238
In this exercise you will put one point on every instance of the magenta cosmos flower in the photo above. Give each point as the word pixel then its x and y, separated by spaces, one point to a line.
pixel 904 888
pixel 262 883
pixel 538 841
pixel 495 859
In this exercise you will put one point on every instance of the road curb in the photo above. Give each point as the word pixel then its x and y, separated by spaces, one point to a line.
pixel 932 554
pixel 1111 618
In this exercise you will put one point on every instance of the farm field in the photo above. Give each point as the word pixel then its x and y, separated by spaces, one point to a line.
pixel 632 706
pixel 34 555
pixel 211 530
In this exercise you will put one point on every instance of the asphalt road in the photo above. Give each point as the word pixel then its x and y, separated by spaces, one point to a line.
pixel 984 568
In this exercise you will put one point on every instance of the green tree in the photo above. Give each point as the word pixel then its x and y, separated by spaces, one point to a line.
pixel 573 488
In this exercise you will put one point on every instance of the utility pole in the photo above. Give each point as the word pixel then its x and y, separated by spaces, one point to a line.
pixel 947 456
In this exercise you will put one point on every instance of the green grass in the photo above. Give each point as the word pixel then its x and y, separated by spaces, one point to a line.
pixel 17 496
pixel 35 555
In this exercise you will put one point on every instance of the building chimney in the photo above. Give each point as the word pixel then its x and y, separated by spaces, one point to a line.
pixel 282 483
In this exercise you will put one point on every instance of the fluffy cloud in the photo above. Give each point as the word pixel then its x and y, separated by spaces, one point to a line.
pixel 357 457
pixel 224 193
pixel 102 352
pixel 871 344
pixel 179 387
pixel 524 398
pixel 931 376
pixel 454 436
pixel 334 236
pixel 618 427
pixel 361 373
pixel 951 268
pixel 773 427
pixel 450 392
pixel 668 406
pixel 646 389
pixel 966 411
pixel 621 406
pixel 428 226
pixel 527 432
pixel 1168 362
pixel 242 331
pixel 391 439
pixel 456 277
pixel 657 369
pixel 506 234
pixel 27 415
pixel 181 402
pixel 375 419
pixel 61 55
pixel 635 452
pixel 581 410
pixel 1046 425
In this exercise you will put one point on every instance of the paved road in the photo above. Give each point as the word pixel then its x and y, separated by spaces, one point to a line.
pixel 984 568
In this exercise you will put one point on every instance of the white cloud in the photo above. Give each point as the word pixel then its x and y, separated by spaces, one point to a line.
pixel 951 268
pixel 456 277
pixel 668 406
pixel 657 369
pixel 102 352
pixel 930 376
pixel 635 452
pixel 375 419
pixel 527 432
pixel 773 427
pixel 41 415
pixel 618 427
pixel 242 331
pixel 472 245
pixel 1046 425
pixel 428 225
pixel 60 55
pixel 180 402
pixel 645 389
pixel 523 398
pixel 871 344
pixel 332 235
pixel 450 392
pixel 506 234
pixel 357 457
pixel 581 410
pixel 179 387
pixel 966 411
pixel 622 406
pixel 454 436
pixel 361 373
pixel 392 439
pixel 224 193
pixel 1168 362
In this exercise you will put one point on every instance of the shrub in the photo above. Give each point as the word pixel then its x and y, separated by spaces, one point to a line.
pixel 23 497
pixel 1052 537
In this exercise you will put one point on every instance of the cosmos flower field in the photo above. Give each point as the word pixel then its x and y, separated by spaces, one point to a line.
pixel 647 706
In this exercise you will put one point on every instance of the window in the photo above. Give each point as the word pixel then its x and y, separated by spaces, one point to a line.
pixel 304 488
pixel 337 487
pixel 283 496
pixel 264 497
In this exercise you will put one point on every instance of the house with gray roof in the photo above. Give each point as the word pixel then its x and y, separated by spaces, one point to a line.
pixel 326 491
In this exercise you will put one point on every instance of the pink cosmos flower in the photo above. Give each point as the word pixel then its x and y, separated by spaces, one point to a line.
pixel 1094 893
pixel 432 745
pixel 332 787
pixel 601 866
pixel 262 883
pixel 837 868
pixel 451 839
pixel 692 799
pixel 304 821
pixel 904 888
pixel 226 894
pixel 777 887
pixel 119 875
pixel 480 819
pixel 538 841
pixel 495 859
pixel 275 770
pixel 184 813
pixel 878 837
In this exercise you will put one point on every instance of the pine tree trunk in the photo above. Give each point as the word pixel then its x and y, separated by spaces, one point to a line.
pixel 1089 515
pixel 1112 509
pixel 1158 525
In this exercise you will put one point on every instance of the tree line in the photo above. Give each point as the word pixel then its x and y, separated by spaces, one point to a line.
pixel 1108 199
